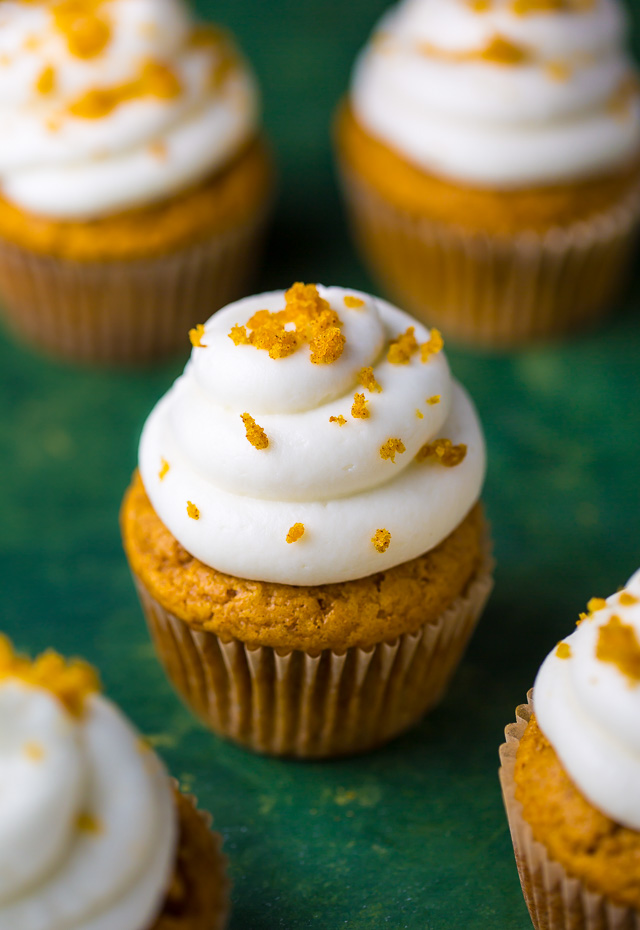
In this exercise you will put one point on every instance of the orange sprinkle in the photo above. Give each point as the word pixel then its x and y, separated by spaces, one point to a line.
pixel 353 302
pixel 34 751
pixel 402 348
pixel 381 540
pixel 390 448
pixel 164 468
pixel 443 451
pixel 618 643
pixel 295 533
pixel 497 51
pixel 432 346
pixel 154 80
pixel 255 434
pixel 367 379
pixel 192 511
pixel 419 414
pixel 627 599
pixel 359 408
pixel 70 681
pixel 87 33
pixel 196 335
pixel 87 823
pixel 563 651
pixel 596 603
pixel 308 318
pixel 47 81
pixel 340 420
pixel 432 401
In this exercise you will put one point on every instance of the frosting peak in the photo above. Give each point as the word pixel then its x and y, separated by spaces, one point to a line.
pixel 261 437
pixel 502 92
pixel 587 702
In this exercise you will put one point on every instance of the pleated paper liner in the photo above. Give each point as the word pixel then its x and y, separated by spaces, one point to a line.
pixel 556 901
pixel 491 291
pixel 198 898
pixel 126 311
pixel 316 706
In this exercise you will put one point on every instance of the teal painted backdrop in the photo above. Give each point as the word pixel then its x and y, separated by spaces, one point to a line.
pixel 412 836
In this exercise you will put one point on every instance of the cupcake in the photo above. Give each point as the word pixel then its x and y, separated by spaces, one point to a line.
pixel 304 530
pixel 134 181
pixel 93 834
pixel 571 775
pixel 490 154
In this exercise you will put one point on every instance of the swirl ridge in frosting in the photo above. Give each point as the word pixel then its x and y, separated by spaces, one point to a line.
pixel 587 702
pixel 503 92
pixel 347 449
pixel 109 104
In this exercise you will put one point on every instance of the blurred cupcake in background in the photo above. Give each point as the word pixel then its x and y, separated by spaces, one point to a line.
pixel 490 154
pixel 571 774
pixel 134 182
pixel 93 834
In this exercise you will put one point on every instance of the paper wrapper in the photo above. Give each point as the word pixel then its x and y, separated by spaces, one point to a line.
pixel 200 876
pixel 126 311
pixel 330 704
pixel 491 291
pixel 555 900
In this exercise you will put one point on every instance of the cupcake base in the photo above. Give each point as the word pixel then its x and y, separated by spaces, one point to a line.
pixel 198 898
pixel 556 901
pixel 295 703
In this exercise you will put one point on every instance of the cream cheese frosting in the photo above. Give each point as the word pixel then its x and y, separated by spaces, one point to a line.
pixel 587 703
pixel 88 827
pixel 339 476
pixel 502 92
pixel 109 104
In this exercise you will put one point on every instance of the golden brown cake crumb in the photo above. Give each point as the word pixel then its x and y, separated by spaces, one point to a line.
pixel 403 347
pixel 435 399
pixel 434 344
pixel 361 613
pixel 627 599
pixel 563 651
pixel 192 511
pixel 359 407
pixel 443 451
pixel 367 379
pixel 340 420
pixel 381 540
pixel 295 533
pixel 196 335
pixel 46 81
pixel 419 414
pixel 596 603
pixel 352 302
pixel 164 468
pixel 255 434
pixel 391 448
pixel 618 644
pixel 587 843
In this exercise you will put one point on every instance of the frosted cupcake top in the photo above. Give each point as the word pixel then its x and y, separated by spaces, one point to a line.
pixel 587 703
pixel 504 93
pixel 109 104
pixel 87 819
pixel 315 436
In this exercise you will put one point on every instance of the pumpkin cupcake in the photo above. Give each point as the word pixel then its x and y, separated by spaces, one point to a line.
pixel 571 774
pixel 134 181
pixel 92 833
pixel 490 153
pixel 304 530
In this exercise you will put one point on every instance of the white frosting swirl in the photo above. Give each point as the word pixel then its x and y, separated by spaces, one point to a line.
pixel 330 478
pixel 56 162
pixel 421 87
pixel 588 708
pixel 87 820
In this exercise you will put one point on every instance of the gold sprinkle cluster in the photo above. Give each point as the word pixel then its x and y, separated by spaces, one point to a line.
pixel 618 644
pixel 295 533
pixel 391 448
pixel 442 451
pixel 255 434
pixel 359 409
pixel 381 540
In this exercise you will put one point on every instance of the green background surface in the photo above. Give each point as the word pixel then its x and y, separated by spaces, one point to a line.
pixel 412 836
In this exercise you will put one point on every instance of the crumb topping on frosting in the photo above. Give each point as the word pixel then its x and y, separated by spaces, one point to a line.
pixel 618 643
pixel 419 414
pixel 164 468
pixel 403 347
pixel 443 451
pixel 155 79
pixel 381 540
pixel 306 318
pixel 432 401
pixel 390 448
pixel 192 511
pixel 353 302
pixel 498 51
pixel 432 346
pixel 528 7
pixel 596 603
pixel 196 335
pixel 563 651
pixel 340 420
pixel 627 599
pixel 88 823
pixel 367 379
pixel 255 434
pixel 46 81
pixel 295 533
pixel 359 409
pixel 70 681
pixel 86 28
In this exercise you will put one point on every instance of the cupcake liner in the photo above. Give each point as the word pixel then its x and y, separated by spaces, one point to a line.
pixel 556 901
pixel 491 290
pixel 125 311
pixel 294 703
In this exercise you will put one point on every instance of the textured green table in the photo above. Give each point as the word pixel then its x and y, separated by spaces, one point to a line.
pixel 412 836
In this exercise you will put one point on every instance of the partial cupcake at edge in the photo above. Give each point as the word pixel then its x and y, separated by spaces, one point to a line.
pixel 93 833
pixel 571 774
pixel 304 530
pixel 490 157
pixel 134 179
